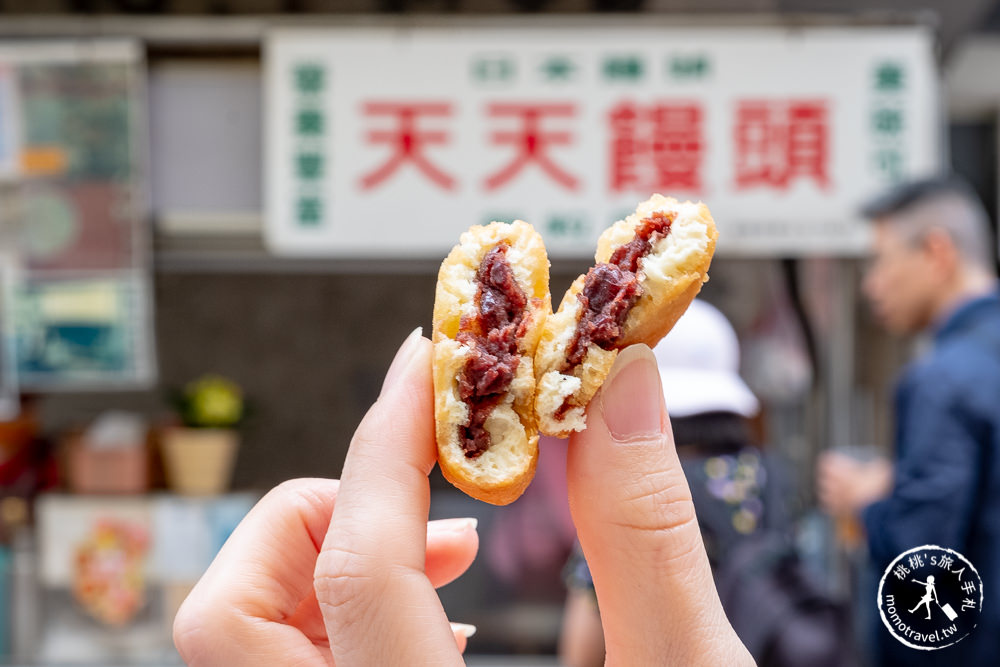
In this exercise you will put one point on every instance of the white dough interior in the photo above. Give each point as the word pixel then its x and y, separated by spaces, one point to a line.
pixel 553 390
pixel 688 238
pixel 685 243
pixel 507 434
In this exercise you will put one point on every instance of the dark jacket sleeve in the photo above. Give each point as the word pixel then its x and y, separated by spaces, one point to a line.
pixel 933 495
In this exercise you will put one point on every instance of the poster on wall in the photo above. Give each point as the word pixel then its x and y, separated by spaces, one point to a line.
pixel 388 141
pixel 112 571
pixel 78 316
pixel 79 332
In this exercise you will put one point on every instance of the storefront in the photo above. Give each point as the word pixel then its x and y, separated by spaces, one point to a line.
pixel 287 192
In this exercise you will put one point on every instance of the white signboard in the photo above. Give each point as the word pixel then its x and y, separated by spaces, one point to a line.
pixel 387 142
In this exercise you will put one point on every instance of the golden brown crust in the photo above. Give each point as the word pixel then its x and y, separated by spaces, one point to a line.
pixel 670 276
pixel 649 330
pixel 663 302
pixel 502 473
pixel 501 493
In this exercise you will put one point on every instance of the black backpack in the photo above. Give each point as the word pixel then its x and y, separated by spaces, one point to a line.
pixel 783 615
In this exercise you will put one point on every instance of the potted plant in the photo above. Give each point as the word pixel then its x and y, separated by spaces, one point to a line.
pixel 200 455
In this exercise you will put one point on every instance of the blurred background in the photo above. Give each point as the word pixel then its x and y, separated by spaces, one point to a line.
pixel 220 218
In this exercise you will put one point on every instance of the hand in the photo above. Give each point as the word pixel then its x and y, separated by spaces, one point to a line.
pixel 285 590
pixel 846 485
pixel 374 584
pixel 635 519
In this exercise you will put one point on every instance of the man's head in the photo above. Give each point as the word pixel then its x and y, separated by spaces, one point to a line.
pixel 932 248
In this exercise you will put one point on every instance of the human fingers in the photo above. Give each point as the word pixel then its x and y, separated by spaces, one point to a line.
pixel 825 485
pixel 462 632
pixel 452 545
pixel 830 499
pixel 637 526
pixel 835 465
pixel 378 605
pixel 265 572
pixel 834 477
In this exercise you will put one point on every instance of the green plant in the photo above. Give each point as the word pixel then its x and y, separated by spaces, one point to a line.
pixel 211 401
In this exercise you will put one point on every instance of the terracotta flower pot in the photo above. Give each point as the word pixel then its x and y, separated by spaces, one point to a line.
pixel 117 470
pixel 199 461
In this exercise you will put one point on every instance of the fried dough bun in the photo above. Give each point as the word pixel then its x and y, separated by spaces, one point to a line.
pixel 620 307
pixel 491 301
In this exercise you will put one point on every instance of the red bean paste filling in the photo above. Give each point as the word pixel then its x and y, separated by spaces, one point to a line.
pixel 493 336
pixel 609 292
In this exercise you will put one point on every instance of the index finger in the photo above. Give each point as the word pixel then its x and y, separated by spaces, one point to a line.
pixel 384 496
pixel 378 605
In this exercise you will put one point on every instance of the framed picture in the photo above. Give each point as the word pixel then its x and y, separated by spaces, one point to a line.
pixel 81 332
pixel 74 210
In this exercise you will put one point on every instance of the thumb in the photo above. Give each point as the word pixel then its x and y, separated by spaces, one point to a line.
pixel 636 522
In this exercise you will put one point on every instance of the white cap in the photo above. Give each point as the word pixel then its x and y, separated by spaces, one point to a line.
pixel 699 364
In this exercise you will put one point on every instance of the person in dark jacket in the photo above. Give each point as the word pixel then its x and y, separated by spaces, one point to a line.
pixel 933 273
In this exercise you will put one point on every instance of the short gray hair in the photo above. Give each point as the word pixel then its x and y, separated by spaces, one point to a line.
pixel 948 204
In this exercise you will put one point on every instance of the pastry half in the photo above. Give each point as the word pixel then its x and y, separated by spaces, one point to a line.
pixel 649 267
pixel 491 301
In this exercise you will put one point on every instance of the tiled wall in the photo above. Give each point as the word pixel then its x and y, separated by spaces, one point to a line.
pixel 309 350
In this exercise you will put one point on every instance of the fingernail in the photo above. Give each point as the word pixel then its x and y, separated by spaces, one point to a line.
pixel 632 397
pixel 455 525
pixel 402 356
pixel 463 629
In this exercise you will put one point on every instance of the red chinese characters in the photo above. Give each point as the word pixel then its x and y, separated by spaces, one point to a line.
pixel 407 140
pixel 659 146
pixel 777 141
pixel 656 147
pixel 531 141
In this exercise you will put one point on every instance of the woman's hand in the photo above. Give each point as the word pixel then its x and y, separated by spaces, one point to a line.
pixel 374 601
pixel 636 522
pixel 292 587
pixel 846 485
